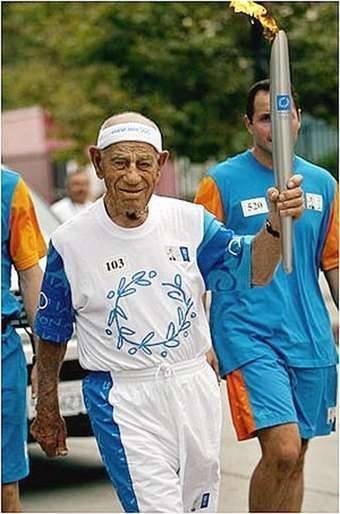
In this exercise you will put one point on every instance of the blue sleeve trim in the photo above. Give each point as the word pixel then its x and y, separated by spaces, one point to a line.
pixel 54 318
pixel 216 236
pixel 234 273
pixel 223 258
pixel 211 225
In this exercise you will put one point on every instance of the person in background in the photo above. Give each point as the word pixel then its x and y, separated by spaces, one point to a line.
pixel 77 199
pixel 22 245
pixel 275 344
pixel 131 271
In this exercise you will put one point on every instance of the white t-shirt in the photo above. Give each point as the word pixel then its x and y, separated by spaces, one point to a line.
pixel 136 293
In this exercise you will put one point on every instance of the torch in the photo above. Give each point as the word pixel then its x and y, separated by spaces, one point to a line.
pixel 281 119
pixel 280 110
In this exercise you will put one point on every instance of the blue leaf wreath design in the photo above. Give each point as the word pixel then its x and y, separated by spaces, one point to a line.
pixel 117 316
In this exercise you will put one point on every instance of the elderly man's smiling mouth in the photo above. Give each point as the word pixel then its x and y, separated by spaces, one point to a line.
pixel 130 191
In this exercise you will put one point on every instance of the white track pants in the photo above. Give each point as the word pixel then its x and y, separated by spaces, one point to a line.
pixel 159 432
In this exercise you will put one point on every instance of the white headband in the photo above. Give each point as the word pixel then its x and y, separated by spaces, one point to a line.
pixel 129 132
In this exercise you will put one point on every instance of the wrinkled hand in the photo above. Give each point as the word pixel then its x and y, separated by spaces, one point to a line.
pixel 212 360
pixel 290 202
pixel 50 432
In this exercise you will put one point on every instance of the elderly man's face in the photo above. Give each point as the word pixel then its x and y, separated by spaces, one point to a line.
pixel 130 171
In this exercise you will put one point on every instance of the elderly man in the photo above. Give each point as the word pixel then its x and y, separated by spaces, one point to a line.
pixel 131 272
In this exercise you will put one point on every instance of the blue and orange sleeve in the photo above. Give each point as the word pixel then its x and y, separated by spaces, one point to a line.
pixel 209 196
pixel 330 253
pixel 27 244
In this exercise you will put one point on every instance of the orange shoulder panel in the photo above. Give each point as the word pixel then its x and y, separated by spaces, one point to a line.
pixel 27 244
pixel 330 254
pixel 209 196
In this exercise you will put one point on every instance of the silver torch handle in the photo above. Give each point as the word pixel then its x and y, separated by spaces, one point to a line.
pixel 281 120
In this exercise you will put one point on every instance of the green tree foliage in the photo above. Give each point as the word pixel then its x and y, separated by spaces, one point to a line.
pixel 186 65
pixel 312 28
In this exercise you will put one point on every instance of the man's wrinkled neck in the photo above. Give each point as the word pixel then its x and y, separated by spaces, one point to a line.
pixel 126 218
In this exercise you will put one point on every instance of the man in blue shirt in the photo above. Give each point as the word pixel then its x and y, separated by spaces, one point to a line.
pixel 22 245
pixel 274 344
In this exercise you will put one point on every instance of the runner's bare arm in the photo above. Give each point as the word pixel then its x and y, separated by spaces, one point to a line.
pixel 48 428
pixel 30 284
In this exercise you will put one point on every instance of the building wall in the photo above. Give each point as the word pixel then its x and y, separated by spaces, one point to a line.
pixel 168 184
pixel 25 148
pixel 37 172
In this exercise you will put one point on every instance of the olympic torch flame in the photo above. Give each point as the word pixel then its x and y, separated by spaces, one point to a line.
pixel 281 119
pixel 259 12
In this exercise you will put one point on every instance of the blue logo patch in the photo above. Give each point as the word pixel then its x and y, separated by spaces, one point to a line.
pixel 185 253
pixel 205 501
pixel 178 253
pixel 283 103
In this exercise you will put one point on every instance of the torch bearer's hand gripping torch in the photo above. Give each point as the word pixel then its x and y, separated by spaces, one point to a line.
pixel 283 205
pixel 287 203
pixel 267 251
pixel 281 119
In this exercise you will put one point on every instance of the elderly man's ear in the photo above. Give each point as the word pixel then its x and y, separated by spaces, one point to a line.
pixel 163 157
pixel 96 159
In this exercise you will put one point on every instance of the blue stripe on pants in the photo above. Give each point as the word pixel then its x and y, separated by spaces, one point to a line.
pixel 96 389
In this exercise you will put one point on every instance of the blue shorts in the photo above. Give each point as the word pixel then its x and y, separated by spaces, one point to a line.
pixel 14 457
pixel 266 392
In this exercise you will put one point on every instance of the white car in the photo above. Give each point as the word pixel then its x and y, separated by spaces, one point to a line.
pixel 70 395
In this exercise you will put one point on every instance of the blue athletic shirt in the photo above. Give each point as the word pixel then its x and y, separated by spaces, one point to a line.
pixel 136 294
pixel 289 314
pixel 22 243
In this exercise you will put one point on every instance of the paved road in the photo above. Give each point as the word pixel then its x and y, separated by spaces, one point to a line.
pixel 78 483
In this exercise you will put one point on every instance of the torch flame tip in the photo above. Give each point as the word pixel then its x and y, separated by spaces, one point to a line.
pixel 260 13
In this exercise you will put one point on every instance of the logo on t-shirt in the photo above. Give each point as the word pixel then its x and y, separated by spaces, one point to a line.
pixel 314 202
pixel 254 206
pixel 178 319
pixel 178 253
